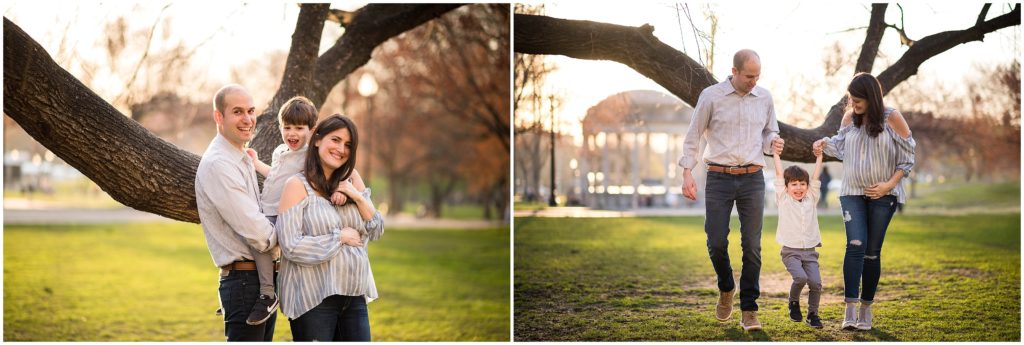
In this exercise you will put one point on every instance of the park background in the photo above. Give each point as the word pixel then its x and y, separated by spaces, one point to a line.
pixel 432 106
pixel 606 248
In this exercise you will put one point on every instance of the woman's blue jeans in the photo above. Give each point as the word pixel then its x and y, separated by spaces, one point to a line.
pixel 337 318
pixel 866 221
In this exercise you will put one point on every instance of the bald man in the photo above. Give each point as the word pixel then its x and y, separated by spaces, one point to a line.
pixel 227 197
pixel 737 118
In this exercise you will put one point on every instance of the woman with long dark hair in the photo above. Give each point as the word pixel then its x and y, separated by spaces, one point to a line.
pixel 325 285
pixel 875 144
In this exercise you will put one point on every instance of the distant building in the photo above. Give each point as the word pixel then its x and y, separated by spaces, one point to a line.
pixel 631 143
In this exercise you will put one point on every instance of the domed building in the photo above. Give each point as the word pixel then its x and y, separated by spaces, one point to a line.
pixel 631 143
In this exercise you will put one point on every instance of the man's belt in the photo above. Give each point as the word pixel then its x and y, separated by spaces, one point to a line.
pixel 746 169
pixel 244 266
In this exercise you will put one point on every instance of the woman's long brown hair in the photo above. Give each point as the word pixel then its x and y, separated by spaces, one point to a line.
pixel 324 185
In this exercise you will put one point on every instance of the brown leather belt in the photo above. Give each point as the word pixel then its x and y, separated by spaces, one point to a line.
pixel 244 266
pixel 753 168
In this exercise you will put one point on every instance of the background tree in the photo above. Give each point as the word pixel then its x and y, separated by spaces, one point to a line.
pixel 637 48
pixel 134 166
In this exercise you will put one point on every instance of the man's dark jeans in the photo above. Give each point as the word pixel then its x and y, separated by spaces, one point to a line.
pixel 337 318
pixel 238 293
pixel 746 191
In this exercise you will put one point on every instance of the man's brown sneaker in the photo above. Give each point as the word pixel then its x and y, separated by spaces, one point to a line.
pixel 749 321
pixel 723 311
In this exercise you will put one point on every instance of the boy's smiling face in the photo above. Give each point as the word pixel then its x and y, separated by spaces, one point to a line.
pixel 295 136
pixel 797 189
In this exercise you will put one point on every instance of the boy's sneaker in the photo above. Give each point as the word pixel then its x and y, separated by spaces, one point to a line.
pixel 813 320
pixel 262 310
pixel 794 311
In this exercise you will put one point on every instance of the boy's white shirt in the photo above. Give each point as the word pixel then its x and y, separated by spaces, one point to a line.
pixel 798 220
pixel 283 164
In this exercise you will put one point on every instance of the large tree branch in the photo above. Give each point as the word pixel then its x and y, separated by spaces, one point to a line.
pixel 876 28
pixel 298 74
pixel 128 162
pixel 635 47
pixel 370 26
pixel 936 44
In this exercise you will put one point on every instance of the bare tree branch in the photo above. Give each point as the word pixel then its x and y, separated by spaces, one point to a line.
pixel 635 47
pixel 135 167
pixel 876 28
pixel 938 43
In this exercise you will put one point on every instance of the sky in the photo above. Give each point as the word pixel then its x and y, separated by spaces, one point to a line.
pixel 790 36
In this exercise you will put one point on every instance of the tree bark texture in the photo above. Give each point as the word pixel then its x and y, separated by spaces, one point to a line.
pixel 637 48
pixel 134 166
pixel 128 162
pixel 370 26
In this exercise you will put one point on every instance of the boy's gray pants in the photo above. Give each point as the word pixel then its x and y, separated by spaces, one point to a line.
pixel 265 267
pixel 802 264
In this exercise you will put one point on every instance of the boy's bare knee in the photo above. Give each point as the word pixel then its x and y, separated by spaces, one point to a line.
pixel 855 242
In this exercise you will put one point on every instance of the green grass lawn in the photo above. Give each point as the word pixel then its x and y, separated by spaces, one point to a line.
pixel 156 282
pixel 963 195
pixel 944 278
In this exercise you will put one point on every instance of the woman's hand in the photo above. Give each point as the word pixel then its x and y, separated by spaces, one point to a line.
pixel 818 147
pixel 879 190
pixel 350 236
pixel 344 192
pixel 339 198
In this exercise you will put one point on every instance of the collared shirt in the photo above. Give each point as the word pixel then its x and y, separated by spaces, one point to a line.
pixel 283 164
pixel 798 219
pixel 227 198
pixel 314 263
pixel 739 129
pixel 867 160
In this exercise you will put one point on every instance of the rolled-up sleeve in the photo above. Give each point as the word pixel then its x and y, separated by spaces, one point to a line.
pixel 373 228
pixel 698 124
pixel 301 248
pixel 771 128
pixel 227 190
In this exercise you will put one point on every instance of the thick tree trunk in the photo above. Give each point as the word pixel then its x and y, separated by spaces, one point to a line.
pixel 141 170
pixel 637 48
pixel 128 162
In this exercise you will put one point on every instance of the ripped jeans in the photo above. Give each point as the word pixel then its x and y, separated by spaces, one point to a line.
pixel 866 221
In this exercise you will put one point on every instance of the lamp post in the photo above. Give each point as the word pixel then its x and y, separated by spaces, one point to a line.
pixel 368 88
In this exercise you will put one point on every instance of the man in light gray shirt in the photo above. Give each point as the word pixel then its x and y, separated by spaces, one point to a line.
pixel 227 196
pixel 737 118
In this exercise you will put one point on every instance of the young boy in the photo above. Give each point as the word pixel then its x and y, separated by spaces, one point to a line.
pixel 798 234
pixel 296 119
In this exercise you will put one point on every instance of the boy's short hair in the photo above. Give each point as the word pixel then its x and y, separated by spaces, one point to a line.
pixel 795 173
pixel 298 111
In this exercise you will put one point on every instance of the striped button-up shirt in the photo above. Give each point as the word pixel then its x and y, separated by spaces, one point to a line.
pixel 867 160
pixel 739 129
pixel 283 164
pixel 314 263
pixel 227 198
